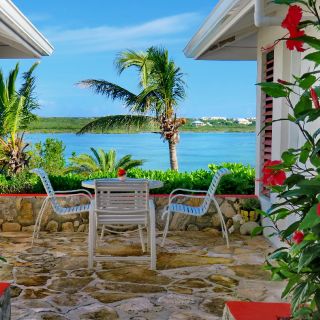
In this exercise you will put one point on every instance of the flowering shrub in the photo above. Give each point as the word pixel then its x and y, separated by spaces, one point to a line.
pixel 295 179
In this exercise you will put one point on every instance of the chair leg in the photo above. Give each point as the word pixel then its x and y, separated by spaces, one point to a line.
pixel 153 245
pixel 91 237
pixel 166 228
pixel 223 224
pixel 37 224
pixel 102 232
pixel 141 239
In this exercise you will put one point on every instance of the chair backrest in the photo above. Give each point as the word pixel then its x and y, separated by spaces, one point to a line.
pixel 48 188
pixel 213 187
pixel 121 202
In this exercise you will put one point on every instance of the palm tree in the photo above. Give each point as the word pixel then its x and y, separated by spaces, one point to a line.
pixel 101 162
pixel 16 107
pixel 161 88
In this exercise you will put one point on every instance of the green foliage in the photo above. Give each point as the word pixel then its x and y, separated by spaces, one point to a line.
pixel 251 204
pixel 49 156
pixel 199 179
pixel 100 162
pixel 241 181
pixel 299 197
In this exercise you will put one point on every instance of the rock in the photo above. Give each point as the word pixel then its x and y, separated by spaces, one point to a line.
pixel 219 289
pixel 52 226
pixel 66 300
pixel 177 300
pixel 227 209
pixel 251 272
pixel 192 283
pixel 110 297
pixel 52 316
pixel 137 305
pixel 223 280
pixel 180 290
pixel 213 232
pixel 214 306
pixel 70 284
pixel 76 223
pixel 102 314
pixel 28 228
pixel 81 228
pixel 6 271
pixel 188 315
pixel 1 221
pixel 32 280
pixel 67 227
pixel 134 274
pixel 11 227
pixel 180 260
pixel 248 227
pixel 34 293
pixel 132 287
pixel 216 221
pixel 192 227
pixel 15 291
pixel 26 215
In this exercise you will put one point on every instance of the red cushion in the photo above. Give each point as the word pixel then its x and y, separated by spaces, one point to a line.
pixel 3 287
pixel 241 310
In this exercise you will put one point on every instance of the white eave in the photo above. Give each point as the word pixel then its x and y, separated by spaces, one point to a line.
pixel 228 33
pixel 18 36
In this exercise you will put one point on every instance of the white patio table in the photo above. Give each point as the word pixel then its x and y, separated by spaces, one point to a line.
pixel 153 184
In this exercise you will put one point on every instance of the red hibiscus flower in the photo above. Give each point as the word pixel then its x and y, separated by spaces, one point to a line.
pixel 315 98
pixel 272 176
pixel 318 209
pixel 298 237
pixel 291 22
pixel 121 172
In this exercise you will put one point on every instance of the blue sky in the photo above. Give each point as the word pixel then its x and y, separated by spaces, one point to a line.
pixel 88 35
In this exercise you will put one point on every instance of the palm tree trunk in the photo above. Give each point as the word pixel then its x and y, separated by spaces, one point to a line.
pixel 173 155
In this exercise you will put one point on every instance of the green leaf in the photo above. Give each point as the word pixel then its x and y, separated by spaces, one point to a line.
pixel 311 41
pixel 256 231
pixel 288 2
pixel 314 56
pixel 303 106
pixel 308 254
pixel 275 90
pixel 290 230
pixel 292 282
pixel 311 219
pixel 307 82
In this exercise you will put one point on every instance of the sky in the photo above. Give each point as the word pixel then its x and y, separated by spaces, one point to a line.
pixel 87 35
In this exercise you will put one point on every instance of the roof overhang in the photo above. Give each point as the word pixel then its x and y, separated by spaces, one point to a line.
pixel 18 37
pixel 228 33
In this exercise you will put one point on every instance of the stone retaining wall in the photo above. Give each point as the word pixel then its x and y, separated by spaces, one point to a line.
pixel 18 213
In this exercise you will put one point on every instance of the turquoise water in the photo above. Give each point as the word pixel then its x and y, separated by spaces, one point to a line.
pixel 195 150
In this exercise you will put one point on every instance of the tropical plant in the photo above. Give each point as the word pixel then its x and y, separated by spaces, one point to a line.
pixel 16 107
pixel 162 87
pixel 100 162
pixel 295 179
pixel 48 155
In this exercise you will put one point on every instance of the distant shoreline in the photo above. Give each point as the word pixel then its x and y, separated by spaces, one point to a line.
pixel 73 125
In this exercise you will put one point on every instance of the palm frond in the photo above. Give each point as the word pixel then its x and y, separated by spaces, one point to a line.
pixel 111 159
pixel 110 90
pixel 104 124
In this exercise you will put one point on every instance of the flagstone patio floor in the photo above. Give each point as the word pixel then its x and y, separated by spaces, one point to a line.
pixel 196 274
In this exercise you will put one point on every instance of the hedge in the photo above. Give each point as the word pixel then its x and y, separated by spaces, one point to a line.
pixel 240 181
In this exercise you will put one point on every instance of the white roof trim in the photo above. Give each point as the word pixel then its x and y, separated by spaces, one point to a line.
pixel 30 37
pixel 214 27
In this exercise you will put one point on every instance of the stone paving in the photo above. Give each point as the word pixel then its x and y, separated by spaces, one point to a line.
pixel 196 274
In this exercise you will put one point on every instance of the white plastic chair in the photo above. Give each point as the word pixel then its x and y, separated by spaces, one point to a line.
pixel 52 198
pixel 195 211
pixel 122 203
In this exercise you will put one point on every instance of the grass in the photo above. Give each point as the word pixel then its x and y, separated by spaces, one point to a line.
pixel 74 124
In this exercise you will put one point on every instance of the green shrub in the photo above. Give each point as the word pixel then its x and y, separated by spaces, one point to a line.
pixel 241 181
pixel 48 155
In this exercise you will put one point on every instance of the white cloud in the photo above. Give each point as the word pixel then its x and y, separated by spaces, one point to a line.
pixel 108 38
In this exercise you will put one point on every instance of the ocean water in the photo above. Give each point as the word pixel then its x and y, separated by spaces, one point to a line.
pixel 195 150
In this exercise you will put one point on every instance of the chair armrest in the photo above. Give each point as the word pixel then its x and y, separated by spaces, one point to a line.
pixel 72 193
pixel 187 190
pixel 185 196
